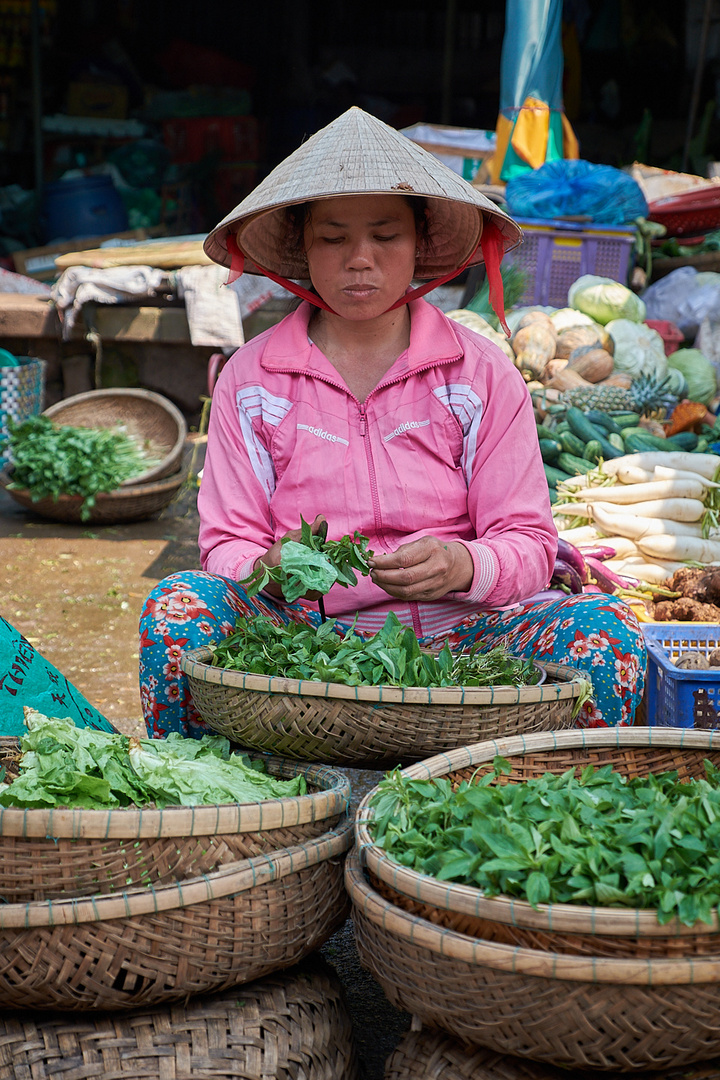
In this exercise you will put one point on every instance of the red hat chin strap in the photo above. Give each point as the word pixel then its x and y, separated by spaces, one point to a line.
pixel 490 242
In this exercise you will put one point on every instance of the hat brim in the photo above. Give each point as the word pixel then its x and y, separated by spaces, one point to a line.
pixel 360 155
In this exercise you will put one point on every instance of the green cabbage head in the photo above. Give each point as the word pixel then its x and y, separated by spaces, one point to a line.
pixel 699 374
pixel 604 300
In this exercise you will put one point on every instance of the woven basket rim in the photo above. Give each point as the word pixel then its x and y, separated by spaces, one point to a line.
pixel 208 820
pixel 120 494
pixel 229 880
pixel 569 918
pixel 569 685
pixel 130 393
pixel 514 959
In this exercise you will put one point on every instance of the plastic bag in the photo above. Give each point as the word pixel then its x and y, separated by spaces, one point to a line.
pixel 684 297
pixel 567 187
pixel 27 678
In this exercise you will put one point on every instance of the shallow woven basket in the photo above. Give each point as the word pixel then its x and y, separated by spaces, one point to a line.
pixel 134 503
pixel 53 853
pixel 147 946
pixel 284 1027
pixel 374 726
pixel 431 1055
pixel 580 930
pixel 569 1011
pixel 144 415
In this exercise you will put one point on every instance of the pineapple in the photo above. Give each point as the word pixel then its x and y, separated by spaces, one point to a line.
pixel 646 395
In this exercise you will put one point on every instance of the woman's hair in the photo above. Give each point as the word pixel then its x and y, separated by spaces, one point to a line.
pixel 299 214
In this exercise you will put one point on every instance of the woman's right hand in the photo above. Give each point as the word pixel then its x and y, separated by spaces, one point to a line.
pixel 272 558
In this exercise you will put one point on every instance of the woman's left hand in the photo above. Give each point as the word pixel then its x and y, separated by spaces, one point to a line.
pixel 425 569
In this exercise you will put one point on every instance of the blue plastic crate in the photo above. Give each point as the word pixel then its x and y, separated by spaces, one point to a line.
pixel 677 697
pixel 554 254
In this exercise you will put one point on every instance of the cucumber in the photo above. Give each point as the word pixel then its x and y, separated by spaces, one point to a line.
pixel 686 440
pixel 638 441
pixel 550 449
pixel 575 465
pixel 587 431
pixel 601 419
pixel 560 427
pixel 702 446
pixel 554 475
pixel 593 451
pixel 616 441
pixel 626 419
pixel 544 432
pixel 571 444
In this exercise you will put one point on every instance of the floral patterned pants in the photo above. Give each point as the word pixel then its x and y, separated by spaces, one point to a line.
pixel 594 633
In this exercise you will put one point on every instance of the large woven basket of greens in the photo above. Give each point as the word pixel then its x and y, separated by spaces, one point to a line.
pixel 85 811
pixel 134 503
pixel 319 694
pixel 150 945
pixel 479 914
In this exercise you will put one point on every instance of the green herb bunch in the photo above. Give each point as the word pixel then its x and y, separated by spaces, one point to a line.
pixel 392 657
pixel 313 563
pixel 50 460
pixel 596 839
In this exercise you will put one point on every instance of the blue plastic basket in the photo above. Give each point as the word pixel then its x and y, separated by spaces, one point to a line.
pixel 554 254
pixel 677 697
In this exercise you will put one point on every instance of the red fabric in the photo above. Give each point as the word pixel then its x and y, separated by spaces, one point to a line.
pixel 491 243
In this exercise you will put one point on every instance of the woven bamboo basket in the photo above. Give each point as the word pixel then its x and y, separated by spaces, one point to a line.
pixel 148 946
pixel 48 854
pixel 570 1011
pixel 372 726
pixel 150 418
pixel 282 1027
pixel 431 1055
pixel 563 928
pixel 134 503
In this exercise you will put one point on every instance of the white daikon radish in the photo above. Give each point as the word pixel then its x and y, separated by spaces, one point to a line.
pixel 583 534
pixel 571 510
pixel 633 493
pixel 622 546
pixel 705 464
pixel 661 472
pixel 572 482
pixel 632 474
pixel 634 527
pixel 685 548
pixel 654 573
pixel 675 509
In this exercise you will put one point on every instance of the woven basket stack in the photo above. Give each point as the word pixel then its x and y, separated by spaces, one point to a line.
pixel 149 417
pixel 549 988
pixel 111 911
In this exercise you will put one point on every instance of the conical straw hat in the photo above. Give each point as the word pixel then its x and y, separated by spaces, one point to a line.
pixel 357 154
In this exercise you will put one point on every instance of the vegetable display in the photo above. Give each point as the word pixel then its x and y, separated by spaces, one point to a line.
pixel 313 563
pixel 392 657
pixel 597 839
pixel 50 460
pixel 65 766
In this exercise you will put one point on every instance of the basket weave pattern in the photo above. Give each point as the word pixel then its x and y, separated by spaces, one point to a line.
pixel 570 1010
pixel 148 946
pixel 134 503
pixel 48 854
pixel 280 1028
pixel 564 928
pixel 371 726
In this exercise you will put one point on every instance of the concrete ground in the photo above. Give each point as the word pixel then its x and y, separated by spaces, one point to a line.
pixel 76 592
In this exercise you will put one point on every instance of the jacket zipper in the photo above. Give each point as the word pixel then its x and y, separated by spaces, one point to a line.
pixel 414 610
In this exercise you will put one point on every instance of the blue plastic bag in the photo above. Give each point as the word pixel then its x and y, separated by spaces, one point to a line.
pixel 570 188
pixel 27 678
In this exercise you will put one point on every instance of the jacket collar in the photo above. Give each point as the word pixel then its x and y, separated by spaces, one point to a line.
pixel 432 341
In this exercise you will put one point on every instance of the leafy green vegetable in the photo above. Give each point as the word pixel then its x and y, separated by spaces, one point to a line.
pixel 51 460
pixel 392 657
pixel 313 563
pixel 600 838
pixel 63 765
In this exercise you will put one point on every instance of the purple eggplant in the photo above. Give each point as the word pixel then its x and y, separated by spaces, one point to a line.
pixel 571 555
pixel 608 580
pixel 566 576
pixel 598 551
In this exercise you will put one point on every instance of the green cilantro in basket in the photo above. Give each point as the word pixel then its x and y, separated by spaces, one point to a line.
pixel 392 657
pixel 50 460
pixel 62 765
pixel 599 839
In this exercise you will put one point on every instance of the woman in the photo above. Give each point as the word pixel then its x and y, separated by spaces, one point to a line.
pixel 371 410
